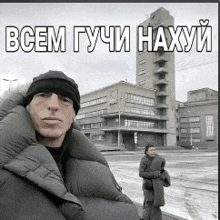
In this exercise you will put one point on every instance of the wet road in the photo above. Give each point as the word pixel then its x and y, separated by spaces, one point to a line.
pixel 193 193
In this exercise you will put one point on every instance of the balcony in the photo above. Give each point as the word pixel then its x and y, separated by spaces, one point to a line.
pixel 162 105
pixel 133 129
pixel 135 115
pixel 161 70
pixel 162 93
pixel 161 81
pixel 160 59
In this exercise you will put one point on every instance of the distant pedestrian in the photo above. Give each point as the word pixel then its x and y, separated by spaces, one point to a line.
pixel 155 177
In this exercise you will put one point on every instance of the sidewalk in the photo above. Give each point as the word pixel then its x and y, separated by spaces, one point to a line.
pixel 165 216
pixel 141 151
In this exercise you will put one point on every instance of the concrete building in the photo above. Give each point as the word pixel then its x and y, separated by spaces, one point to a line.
pixel 128 115
pixel 198 119
pixel 156 70
pixel 133 115
pixel 122 114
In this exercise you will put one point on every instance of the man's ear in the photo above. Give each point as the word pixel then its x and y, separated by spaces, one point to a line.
pixel 74 115
pixel 27 107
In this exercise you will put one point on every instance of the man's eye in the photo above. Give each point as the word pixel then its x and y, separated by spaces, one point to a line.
pixel 65 99
pixel 41 94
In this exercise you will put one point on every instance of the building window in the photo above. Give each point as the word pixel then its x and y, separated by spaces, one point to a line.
pixel 142 62
pixel 97 125
pixel 194 119
pixel 142 124
pixel 96 113
pixel 91 114
pixel 139 111
pixel 183 130
pixel 196 140
pixel 142 82
pixel 85 126
pixel 209 121
pixel 98 137
pixel 183 120
pixel 80 116
pixel 142 72
pixel 184 139
pixel 94 102
pixel 194 130
pixel 145 49
pixel 139 99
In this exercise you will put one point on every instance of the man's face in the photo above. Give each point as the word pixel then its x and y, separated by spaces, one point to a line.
pixel 151 151
pixel 51 115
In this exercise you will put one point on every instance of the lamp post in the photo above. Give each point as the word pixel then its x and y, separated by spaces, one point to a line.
pixel 10 80
pixel 190 127
pixel 119 117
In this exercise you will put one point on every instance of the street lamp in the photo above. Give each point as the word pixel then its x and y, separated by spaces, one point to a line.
pixel 190 127
pixel 10 80
pixel 119 117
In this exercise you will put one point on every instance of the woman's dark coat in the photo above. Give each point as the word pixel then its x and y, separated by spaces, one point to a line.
pixel 32 187
pixel 147 172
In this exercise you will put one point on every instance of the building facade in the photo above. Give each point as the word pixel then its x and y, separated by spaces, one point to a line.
pixel 198 119
pixel 122 114
pixel 156 70
pixel 132 115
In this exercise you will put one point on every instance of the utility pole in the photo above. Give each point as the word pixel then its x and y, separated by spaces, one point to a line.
pixel 10 80
pixel 119 116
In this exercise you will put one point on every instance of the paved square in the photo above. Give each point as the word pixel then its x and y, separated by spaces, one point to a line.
pixel 193 193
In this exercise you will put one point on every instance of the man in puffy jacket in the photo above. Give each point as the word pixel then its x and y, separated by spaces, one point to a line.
pixel 49 171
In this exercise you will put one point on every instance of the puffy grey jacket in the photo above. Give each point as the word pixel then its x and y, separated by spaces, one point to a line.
pixel 31 186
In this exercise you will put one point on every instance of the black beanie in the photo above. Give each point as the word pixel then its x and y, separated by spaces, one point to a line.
pixel 55 82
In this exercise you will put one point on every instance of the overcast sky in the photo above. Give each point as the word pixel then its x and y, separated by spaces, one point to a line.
pixel 193 70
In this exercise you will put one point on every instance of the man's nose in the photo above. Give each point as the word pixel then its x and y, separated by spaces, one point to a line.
pixel 53 102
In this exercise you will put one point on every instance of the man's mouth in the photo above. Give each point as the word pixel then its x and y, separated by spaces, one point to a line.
pixel 51 120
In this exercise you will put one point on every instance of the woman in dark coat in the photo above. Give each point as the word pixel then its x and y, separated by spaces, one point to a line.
pixel 154 179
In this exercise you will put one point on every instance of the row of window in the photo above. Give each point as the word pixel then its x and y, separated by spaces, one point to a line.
pixel 190 119
pixel 94 102
pixel 142 72
pixel 91 114
pixel 130 97
pixel 142 124
pixel 209 121
pixel 139 99
pixel 139 111
pixel 191 130
pixel 145 50
pixel 142 62
pixel 187 139
pixel 142 82
pixel 98 137
pixel 93 125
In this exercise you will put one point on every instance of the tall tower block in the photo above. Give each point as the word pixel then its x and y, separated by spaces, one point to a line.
pixel 156 70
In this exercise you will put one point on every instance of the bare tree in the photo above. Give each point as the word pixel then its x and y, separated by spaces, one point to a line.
pixel 21 88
